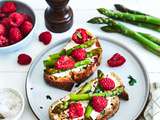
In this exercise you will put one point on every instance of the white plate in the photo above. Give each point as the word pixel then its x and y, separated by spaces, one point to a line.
pixel 37 89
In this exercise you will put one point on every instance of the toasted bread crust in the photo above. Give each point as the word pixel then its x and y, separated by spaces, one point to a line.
pixel 66 83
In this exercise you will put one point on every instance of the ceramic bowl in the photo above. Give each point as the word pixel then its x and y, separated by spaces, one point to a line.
pixel 24 8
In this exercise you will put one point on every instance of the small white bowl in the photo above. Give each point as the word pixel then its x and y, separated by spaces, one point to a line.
pixel 9 91
pixel 24 8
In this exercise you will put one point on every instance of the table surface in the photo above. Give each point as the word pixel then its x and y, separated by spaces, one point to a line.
pixel 13 75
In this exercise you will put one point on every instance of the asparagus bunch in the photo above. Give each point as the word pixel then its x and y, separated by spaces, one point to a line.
pixel 133 17
pixel 120 28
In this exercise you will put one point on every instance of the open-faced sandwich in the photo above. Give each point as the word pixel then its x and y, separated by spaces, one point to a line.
pixel 98 99
pixel 75 62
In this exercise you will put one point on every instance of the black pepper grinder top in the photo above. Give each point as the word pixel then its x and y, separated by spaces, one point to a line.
pixel 58 16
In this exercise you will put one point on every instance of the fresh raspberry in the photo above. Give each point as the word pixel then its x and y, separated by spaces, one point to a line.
pixel 79 54
pixel 45 37
pixel 116 60
pixel 2 29
pixel 15 35
pixel 99 103
pixel 64 63
pixel 3 41
pixel 24 59
pixel 80 36
pixel 75 110
pixel 2 15
pixel 26 27
pixel 26 17
pixel 16 19
pixel 8 7
pixel 5 22
pixel 107 83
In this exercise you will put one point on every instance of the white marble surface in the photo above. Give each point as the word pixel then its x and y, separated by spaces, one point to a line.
pixel 13 75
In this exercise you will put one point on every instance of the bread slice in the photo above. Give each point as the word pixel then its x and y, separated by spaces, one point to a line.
pixel 112 106
pixel 66 79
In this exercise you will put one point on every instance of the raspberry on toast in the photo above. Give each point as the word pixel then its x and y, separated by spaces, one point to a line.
pixel 74 63
pixel 85 101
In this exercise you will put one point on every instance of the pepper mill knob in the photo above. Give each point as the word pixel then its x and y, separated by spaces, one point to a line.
pixel 58 16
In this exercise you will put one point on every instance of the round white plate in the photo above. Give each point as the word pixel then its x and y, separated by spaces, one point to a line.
pixel 39 93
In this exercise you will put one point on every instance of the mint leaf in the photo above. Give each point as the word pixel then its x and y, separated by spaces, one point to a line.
pixel 132 80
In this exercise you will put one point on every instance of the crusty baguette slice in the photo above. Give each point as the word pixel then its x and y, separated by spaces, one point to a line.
pixel 67 79
pixel 111 108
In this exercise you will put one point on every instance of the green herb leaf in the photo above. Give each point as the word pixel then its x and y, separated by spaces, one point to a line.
pixel 132 80
pixel 79 35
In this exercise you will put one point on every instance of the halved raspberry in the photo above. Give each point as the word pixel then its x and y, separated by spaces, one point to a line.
pixel 107 83
pixel 15 35
pixel 116 60
pixel 26 27
pixel 99 103
pixel 16 19
pixel 64 63
pixel 2 29
pixel 80 36
pixel 45 37
pixel 8 7
pixel 79 54
pixel 75 110
pixel 24 59
pixel 3 41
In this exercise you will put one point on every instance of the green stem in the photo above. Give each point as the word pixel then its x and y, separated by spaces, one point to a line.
pixel 129 17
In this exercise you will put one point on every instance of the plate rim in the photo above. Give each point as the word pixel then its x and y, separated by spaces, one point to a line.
pixel 112 40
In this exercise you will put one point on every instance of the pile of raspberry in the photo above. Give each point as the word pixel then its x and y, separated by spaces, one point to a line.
pixel 14 26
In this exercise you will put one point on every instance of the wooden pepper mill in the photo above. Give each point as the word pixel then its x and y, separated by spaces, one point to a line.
pixel 58 16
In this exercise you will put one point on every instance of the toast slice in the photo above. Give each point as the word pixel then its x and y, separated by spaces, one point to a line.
pixel 65 79
pixel 59 110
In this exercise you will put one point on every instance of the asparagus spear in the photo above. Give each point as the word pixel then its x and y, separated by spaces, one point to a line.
pixel 122 8
pixel 82 97
pixel 53 58
pixel 151 46
pixel 148 36
pixel 89 107
pixel 129 17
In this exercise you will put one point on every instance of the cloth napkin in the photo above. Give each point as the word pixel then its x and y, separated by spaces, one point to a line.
pixel 152 111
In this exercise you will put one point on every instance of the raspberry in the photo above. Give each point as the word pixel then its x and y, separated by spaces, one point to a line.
pixel 3 41
pixel 79 54
pixel 64 63
pixel 8 7
pixel 107 83
pixel 2 29
pixel 15 35
pixel 24 59
pixel 26 17
pixel 80 36
pixel 75 110
pixel 16 19
pixel 5 22
pixel 26 27
pixel 99 103
pixel 45 37
pixel 116 60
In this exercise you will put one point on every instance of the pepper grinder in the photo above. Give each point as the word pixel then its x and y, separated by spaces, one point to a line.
pixel 58 16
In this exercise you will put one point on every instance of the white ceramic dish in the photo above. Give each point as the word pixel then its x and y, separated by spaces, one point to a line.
pixel 17 107
pixel 24 8
pixel 37 90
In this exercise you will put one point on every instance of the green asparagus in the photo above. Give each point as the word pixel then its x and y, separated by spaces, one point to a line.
pixel 53 58
pixel 151 46
pixel 122 8
pixel 129 17
pixel 148 36
pixel 82 97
